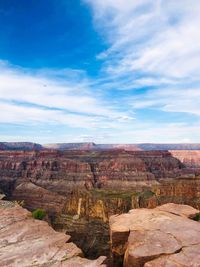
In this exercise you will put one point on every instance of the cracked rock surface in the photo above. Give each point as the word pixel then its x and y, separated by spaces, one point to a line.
pixel 26 242
pixel 164 237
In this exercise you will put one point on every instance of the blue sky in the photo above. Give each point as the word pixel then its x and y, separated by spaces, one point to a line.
pixel 107 71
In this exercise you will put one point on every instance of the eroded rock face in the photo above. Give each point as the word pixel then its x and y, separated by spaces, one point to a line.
pixel 25 241
pixel 68 176
pixel 163 236
pixel 190 158
pixel 61 172
pixel 37 197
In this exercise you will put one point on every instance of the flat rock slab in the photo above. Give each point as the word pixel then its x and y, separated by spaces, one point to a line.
pixel 188 256
pixel 26 242
pixel 164 236
pixel 182 210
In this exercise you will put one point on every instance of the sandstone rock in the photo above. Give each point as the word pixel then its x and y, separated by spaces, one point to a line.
pixel 188 256
pixel 81 262
pixel 190 158
pixel 25 241
pixel 182 210
pixel 143 235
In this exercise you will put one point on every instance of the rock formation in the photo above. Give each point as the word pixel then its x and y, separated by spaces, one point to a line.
pixel 164 236
pixel 25 241
pixel 190 158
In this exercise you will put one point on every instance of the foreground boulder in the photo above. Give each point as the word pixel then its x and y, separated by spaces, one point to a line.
pixel 164 237
pixel 25 241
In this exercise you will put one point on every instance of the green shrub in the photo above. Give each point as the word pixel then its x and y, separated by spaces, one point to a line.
pixel 39 214
pixel 197 217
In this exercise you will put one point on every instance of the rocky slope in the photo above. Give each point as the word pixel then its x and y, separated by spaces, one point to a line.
pixel 26 242
pixel 164 236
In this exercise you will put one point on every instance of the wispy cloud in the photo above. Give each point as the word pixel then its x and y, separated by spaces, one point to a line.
pixel 27 97
pixel 151 37
pixel 156 45
pixel 169 100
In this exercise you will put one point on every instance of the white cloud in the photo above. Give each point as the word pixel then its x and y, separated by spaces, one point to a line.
pixel 34 98
pixel 169 100
pixel 154 45
pixel 17 86
pixel 150 36
pixel 12 113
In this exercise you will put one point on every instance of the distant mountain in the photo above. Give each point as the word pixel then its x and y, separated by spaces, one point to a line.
pixel 71 146
pixel 128 147
pixel 27 146
pixel 149 146
pixel 20 146
pixel 90 146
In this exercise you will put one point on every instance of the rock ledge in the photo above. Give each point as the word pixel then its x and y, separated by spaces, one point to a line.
pixel 26 242
pixel 164 237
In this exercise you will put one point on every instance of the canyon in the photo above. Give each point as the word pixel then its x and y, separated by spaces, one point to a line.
pixel 81 189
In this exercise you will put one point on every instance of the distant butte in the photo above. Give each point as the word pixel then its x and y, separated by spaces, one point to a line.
pixel 92 146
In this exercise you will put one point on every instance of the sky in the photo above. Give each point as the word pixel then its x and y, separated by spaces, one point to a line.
pixel 104 71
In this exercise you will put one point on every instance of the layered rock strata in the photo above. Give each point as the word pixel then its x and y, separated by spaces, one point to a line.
pixel 163 237
pixel 68 177
pixel 63 171
pixel 26 242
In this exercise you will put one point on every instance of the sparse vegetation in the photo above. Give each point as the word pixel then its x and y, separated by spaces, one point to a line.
pixel 197 217
pixel 104 194
pixel 147 194
pixel 39 214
